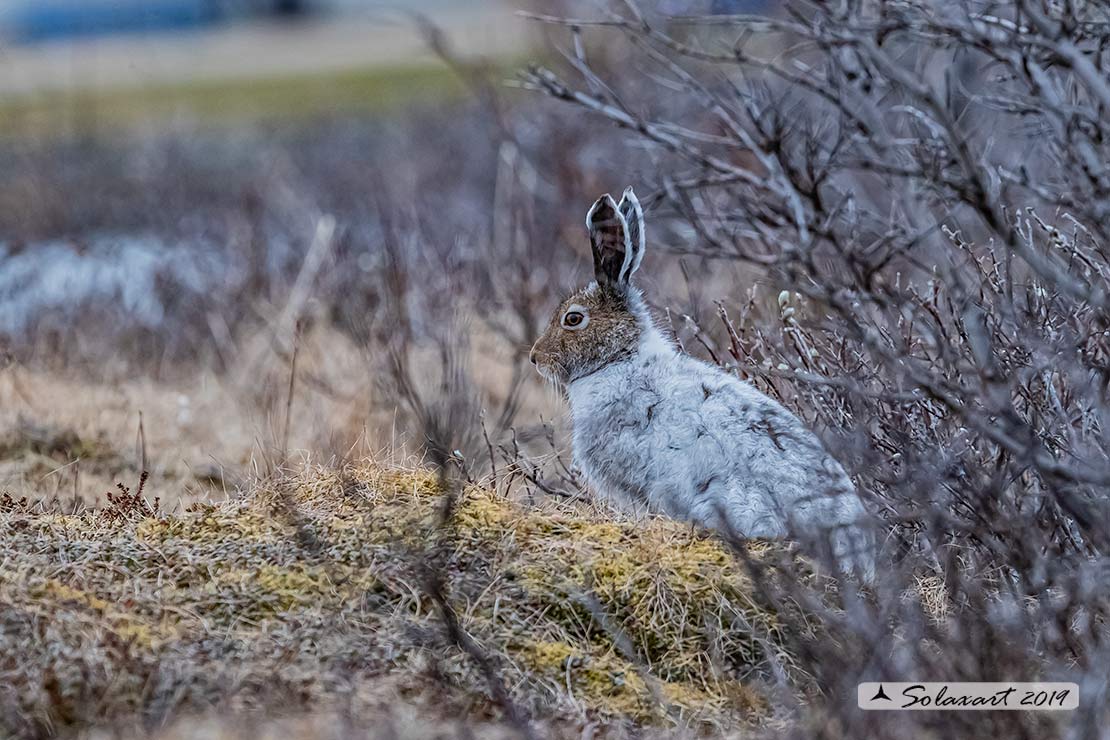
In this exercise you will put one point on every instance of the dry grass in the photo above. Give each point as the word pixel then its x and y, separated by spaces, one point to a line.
pixel 308 595
pixel 80 448
pixel 68 437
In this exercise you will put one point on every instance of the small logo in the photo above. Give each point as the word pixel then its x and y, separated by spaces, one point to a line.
pixel 880 694
pixel 968 696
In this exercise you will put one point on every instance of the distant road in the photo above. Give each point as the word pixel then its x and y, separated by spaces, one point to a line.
pixel 261 49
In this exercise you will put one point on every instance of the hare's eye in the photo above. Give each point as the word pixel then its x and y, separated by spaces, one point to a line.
pixel 574 320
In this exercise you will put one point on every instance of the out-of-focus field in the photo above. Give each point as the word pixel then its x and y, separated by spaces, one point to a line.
pixel 369 62
pixel 71 438
pixel 286 97
pixel 377 36
pixel 191 144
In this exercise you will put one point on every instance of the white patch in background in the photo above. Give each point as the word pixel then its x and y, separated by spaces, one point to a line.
pixel 118 273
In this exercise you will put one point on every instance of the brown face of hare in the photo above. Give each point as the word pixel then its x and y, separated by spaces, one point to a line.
pixel 599 324
pixel 590 329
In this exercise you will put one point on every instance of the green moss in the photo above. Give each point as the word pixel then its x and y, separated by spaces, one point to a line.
pixel 422 484
pixel 603 683
pixel 51 590
pixel 208 527
pixel 271 589
pixel 128 629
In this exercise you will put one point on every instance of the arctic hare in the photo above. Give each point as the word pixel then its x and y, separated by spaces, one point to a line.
pixel 676 435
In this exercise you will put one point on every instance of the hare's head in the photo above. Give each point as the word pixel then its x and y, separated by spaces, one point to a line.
pixel 604 321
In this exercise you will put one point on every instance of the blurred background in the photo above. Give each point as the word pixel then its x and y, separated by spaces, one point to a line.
pixel 168 166
pixel 57 48
pixel 235 229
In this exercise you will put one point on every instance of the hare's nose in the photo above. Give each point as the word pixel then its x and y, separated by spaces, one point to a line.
pixel 532 356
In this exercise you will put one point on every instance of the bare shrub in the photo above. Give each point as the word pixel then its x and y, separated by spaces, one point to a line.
pixel 923 187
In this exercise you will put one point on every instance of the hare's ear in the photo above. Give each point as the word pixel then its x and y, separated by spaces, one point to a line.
pixel 611 242
pixel 634 219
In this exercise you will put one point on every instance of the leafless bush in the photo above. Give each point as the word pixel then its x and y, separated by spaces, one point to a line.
pixel 926 184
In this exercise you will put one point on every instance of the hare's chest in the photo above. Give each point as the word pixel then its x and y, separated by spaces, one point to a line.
pixel 622 428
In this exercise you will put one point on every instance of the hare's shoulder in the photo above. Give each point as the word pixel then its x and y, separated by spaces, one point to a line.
pixel 718 391
pixel 745 414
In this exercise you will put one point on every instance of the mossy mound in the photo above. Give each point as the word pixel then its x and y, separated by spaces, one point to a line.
pixel 313 592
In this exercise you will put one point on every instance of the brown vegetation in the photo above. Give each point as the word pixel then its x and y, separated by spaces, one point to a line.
pixel 121 616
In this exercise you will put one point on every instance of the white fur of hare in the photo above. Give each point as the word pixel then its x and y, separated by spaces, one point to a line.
pixel 666 431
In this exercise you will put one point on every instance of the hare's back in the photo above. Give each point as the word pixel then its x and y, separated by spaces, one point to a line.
pixel 766 446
